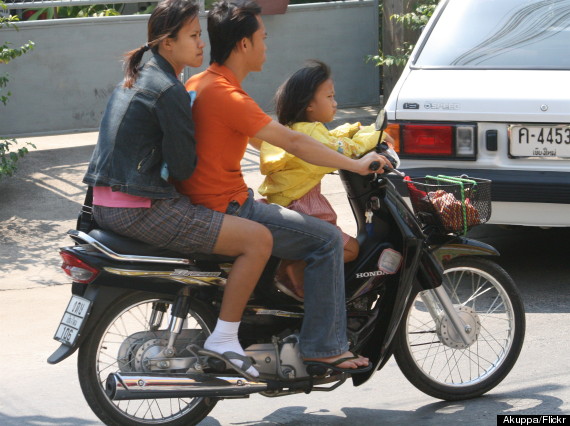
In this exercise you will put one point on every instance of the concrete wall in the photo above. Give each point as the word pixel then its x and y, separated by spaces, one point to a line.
pixel 63 85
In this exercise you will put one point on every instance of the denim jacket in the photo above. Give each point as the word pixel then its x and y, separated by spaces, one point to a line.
pixel 142 128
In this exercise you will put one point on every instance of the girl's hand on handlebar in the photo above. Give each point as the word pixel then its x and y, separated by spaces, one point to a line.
pixel 364 163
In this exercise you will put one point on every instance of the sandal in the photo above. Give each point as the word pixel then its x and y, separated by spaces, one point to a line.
pixel 334 365
pixel 228 356
pixel 284 285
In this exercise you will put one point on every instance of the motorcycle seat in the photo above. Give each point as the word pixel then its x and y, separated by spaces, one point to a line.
pixel 128 246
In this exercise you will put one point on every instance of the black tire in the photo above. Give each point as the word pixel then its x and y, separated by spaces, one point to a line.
pixel 440 368
pixel 99 357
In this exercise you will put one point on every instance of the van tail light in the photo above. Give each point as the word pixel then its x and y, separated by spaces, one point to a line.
pixel 427 140
pixel 78 270
pixel 394 131
pixel 437 140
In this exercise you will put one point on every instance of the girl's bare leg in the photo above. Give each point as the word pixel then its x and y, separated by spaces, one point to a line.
pixel 351 250
pixel 251 244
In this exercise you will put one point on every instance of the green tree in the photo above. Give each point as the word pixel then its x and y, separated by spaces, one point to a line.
pixel 414 21
pixel 85 11
pixel 9 151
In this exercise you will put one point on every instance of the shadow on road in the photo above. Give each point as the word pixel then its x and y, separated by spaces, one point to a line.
pixel 39 204
pixel 43 420
pixel 480 411
pixel 47 185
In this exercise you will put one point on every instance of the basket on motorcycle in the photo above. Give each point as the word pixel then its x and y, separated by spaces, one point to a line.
pixel 451 204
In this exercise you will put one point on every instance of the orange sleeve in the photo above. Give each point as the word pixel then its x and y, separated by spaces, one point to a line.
pixel 241 112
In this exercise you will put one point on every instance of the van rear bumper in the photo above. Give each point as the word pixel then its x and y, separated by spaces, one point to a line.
pixel 517 186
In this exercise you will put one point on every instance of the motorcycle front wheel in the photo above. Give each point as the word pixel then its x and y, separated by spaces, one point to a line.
pixel 129 329
pixel 441 365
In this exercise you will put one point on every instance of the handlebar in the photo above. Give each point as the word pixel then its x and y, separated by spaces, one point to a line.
pixel 375 165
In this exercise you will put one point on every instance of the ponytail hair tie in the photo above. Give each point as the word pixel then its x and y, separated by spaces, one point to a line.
pixel 145 47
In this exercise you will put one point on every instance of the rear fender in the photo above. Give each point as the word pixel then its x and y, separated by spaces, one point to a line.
pixel 460 246
pixel 102 298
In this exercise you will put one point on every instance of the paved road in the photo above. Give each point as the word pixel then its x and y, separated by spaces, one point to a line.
pixel 39 205
pixel 35 393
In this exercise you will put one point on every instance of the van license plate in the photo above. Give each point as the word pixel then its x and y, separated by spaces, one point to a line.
pixel 540 141
pixel 73 320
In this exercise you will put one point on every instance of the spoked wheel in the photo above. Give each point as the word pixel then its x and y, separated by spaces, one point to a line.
pixel 131 332
pixel 429 351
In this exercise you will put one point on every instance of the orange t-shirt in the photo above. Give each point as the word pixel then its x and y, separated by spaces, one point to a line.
pixel 225 117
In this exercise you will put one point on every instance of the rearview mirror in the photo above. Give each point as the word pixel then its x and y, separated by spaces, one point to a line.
pixel 381 121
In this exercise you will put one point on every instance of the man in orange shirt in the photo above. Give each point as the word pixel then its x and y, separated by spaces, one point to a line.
pixel 226 118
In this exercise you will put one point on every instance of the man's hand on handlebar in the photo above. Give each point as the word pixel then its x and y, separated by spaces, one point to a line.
pixel 377 161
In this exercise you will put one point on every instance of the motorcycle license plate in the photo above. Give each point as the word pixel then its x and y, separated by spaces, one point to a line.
pixel 540 141
pixel 73 320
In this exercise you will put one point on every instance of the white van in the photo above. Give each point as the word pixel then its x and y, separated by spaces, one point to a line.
pixel 486 93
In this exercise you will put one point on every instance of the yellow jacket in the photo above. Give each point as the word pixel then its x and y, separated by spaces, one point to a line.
pixel 288 178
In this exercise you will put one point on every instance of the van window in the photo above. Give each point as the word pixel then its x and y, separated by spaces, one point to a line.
pixel 499 34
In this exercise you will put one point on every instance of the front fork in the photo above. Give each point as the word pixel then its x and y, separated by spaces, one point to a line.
pixel 431 299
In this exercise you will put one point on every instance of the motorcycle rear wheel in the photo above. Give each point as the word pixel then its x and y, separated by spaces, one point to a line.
pixel 99 356
pixel 492 302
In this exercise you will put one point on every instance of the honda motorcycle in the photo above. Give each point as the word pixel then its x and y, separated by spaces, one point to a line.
pixel 419 290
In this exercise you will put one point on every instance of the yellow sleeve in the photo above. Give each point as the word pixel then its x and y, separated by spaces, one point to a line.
pixel 349 139
pixel 353 140
pixel 366 139
pixel 272 158
pixel 346 130
pixel 319 132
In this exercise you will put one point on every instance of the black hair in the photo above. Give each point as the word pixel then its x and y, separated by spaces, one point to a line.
pixel 164 22
pixel 228 24
pixel 295 94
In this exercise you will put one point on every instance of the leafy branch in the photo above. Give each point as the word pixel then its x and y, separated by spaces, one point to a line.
pixel 415 21
pixel 9 157
pixel 9 152
pixel 7 54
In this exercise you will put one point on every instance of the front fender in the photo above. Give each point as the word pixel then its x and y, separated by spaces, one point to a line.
pixel 461 246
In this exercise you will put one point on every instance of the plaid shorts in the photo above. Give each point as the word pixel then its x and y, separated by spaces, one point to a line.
pixel 175 224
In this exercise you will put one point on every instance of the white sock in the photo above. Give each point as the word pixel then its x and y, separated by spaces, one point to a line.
pixel 224 339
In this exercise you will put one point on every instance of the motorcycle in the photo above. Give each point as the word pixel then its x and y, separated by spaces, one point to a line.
pixel 419 290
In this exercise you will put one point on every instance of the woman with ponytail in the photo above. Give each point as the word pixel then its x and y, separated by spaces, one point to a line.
pixel 148 124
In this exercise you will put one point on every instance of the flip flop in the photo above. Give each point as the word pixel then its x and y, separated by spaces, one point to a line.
pixel 288 289
pixel 334 365
pixel 227 357
pixel 246 361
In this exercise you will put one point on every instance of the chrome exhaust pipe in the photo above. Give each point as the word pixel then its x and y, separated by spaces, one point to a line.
pixel 127 386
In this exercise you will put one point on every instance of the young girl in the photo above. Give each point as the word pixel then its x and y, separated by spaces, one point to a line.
pixel 304 102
